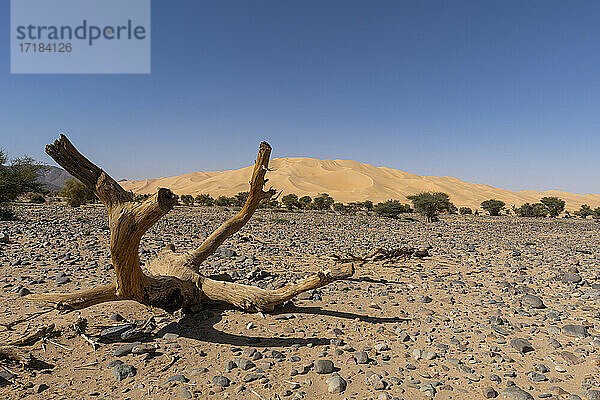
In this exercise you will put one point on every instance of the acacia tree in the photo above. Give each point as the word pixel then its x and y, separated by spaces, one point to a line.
pixel 204 200
pixel 493 207
pixel 391 209
pixel 16 178
pixel 465 211
pixel 554 205
pixel 537 210
pixel 584 211
pixel 172 280
pixel 290 201
pixel 304 201
pixel 431 204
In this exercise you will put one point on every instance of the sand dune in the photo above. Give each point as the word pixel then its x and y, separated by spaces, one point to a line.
pixel 348 181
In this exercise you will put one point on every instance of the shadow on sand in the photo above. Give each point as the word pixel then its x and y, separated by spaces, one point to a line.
pixel 201 327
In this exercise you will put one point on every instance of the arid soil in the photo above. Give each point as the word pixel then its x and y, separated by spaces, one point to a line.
pixel 504 307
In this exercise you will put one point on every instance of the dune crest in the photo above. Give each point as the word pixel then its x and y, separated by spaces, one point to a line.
pixel 348 181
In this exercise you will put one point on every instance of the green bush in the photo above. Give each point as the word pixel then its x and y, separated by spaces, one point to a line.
pixel 290 201
pixel 76 193
pixel 584 211
pixel 18 177
pixel 465 211
pixel 305 202
pixel 536 210
pixel 431 204
pixel 493 207
pixel 391 209
pixel 37 198
pixel 187 199
pixel 322 202
pixel 554 205
pixel 269 203
pixel 205 200
pixel 240 198
pixel 224 201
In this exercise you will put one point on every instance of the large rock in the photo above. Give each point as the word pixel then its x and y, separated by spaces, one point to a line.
pixel 516 393
pixel 113 334
pixel 571 277
pixel 521 345
pixel 323 366
pixel 532 301
pixel 336 383
pixel 575 331
pixel 123 371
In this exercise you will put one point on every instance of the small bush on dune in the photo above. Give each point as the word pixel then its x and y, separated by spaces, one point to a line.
pixel 465 211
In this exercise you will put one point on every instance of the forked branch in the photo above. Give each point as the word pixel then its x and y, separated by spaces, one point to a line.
pixel 175 281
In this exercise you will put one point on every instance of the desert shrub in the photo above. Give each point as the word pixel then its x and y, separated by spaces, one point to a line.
pixel 7 214
pixel 240 198
pixel 269 203
pixel 224 201
pixel 76 193
pixel 536 210
pixel 187 199
pixel 391 209
pixel 584 211
pixel 290 201
pixel 205 200
pixel 339 207
pixel 16 178
pixel 366 205
pixel 305 202
pixel 322 202
pixel 554 205
pixel 431 204
pixel 465 211
pixel 492 206
pixel 37 198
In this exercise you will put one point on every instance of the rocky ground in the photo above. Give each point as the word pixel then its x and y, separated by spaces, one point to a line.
pixel 504 307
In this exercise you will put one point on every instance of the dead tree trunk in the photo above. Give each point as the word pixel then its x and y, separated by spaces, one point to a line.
pixel 173 280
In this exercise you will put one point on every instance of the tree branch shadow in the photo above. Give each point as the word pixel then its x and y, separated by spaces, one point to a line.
pixel 201 327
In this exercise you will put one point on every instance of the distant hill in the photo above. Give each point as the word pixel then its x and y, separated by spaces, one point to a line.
pixel 54 178
pixel 348 181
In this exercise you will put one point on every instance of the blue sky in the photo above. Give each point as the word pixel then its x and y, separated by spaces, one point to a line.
pixel 505 93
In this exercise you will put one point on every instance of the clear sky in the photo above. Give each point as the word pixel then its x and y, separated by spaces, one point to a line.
pixel 505 93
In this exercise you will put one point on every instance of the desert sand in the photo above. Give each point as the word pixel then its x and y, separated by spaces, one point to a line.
pixel 504 307
pixel 348 181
